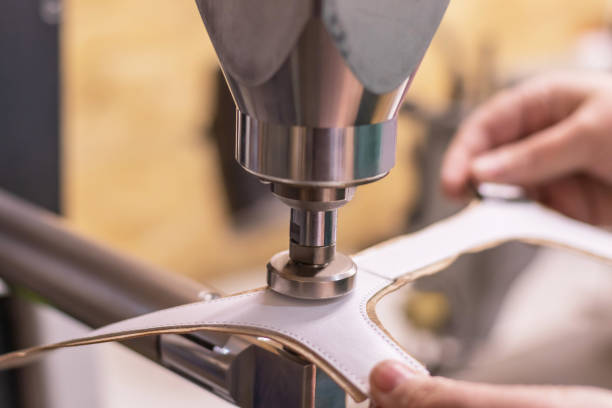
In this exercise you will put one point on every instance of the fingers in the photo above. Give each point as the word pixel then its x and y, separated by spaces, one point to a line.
pixel 395 386
pixel 552 153
pixel 581 197
pixel 388 375
pixel 481 132
pixel 511 115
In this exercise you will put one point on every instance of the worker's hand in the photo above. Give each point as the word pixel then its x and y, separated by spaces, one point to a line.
pixel 393 385
pixel 552 134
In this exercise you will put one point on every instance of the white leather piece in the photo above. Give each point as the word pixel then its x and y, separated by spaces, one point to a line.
pixel 479 226
pixel 340 332
pixel 337 330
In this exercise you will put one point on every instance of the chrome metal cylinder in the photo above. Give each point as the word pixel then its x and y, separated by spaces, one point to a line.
pixel 315 156
pixel 310 281
pixel 319 64
pixel 312 236
pixel 311 269
pixel 313 228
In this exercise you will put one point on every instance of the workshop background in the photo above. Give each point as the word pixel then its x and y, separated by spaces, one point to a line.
pixel 141 169
pixel 143 127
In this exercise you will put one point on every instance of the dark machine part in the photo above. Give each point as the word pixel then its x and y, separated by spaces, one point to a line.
pixel 29 103
pixel 29 151
pixel 245 194
pixel 9 380
pixel 317 86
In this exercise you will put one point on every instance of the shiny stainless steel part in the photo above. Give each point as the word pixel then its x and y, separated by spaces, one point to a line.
pixel 314 217
pixel 313 156
pixel 311 281
pixel 312 269
pixel 230 369
pixel 320 63
pixel 97 286
pixel 313 228
pixel 318 85
pixel 312 236
pixel 214 365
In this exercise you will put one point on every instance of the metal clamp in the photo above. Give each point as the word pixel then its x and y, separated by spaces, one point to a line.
pixel 249 374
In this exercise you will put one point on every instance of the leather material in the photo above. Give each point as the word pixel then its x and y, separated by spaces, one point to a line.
pixel 480 226
pixel 336 333
pixel 343 335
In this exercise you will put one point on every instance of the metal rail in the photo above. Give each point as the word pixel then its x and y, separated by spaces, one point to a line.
pixel 97 286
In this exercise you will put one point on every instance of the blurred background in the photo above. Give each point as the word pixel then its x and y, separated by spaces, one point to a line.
pixel 141 165
pixel 146 166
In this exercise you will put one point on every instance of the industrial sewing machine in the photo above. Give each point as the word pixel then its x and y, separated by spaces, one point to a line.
pixel 318 85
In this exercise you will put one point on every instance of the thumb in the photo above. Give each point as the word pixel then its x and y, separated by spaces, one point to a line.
pixel 393 385
pixel 541 157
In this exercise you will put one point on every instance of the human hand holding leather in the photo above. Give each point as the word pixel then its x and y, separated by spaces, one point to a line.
pixel 551 134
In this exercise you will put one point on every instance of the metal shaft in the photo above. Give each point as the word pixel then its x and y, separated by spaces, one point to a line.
pixel 312 269
pixel 88 282
pixel 313 228
pixel 313 236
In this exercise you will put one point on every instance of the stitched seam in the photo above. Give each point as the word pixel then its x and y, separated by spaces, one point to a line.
pixel 362 310
pixel 312 346
pixel 288 333
pixel 362 306
pixel 219 300
pixel 302 340
pixel 176 308
pixel 293 335
pixel 378 275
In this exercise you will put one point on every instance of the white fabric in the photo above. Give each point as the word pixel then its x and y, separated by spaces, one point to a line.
pixel 479 226
pixel 340 332
pixel 337 330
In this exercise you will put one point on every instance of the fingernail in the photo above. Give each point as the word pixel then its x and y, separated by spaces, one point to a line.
pixel 489 166
pixel 389 374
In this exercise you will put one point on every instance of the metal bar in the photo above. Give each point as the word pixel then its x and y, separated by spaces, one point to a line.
pixel 86 280
pixel 97 287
